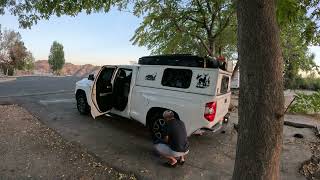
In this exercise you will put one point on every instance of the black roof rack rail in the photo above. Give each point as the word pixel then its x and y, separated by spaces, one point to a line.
pixel 186 60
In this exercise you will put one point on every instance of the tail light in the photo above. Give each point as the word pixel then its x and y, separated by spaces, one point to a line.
pixel 210 111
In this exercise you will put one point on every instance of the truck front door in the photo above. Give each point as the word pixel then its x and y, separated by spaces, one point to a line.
pixel 102 91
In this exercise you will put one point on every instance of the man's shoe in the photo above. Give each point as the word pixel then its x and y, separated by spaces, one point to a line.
pixel 168 164
pixel 181 162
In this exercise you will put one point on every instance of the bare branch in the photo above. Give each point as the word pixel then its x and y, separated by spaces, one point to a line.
pixel 204 45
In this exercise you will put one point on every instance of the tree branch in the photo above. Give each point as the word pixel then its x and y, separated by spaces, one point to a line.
pixel 194 20
pixel 175 22
pixel 203 16
pixel 208 7
pixel 204 44
pixel 223 27
pixel 213 17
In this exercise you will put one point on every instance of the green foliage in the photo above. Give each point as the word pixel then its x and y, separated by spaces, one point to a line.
pixel 56 57
pixel 4 4
pixel 298 24
pixel 193 26
pixel 295 53
pixel 303 13
pixel 30 12
pixel 29 62
pixel 198 27
pixel 306 103
pixel 309 83
pixel 289 11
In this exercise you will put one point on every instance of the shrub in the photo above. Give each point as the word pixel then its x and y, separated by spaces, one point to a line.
pixel 306 103
pixel 309 83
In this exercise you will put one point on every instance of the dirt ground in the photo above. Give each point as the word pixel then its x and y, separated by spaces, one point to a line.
pixel 31 150
pixel 311 168
pixel 6 79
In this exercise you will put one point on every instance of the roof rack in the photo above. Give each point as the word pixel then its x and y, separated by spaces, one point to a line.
pixel 186 60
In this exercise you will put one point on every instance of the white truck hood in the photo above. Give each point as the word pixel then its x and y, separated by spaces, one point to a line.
pixel 84 82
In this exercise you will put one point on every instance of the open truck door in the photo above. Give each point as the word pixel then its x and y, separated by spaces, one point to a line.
pixel 102 91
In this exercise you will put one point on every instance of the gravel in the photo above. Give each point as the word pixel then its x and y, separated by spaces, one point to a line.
pixel 29 149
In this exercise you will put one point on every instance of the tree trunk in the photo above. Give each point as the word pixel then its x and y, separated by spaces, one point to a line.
pixel 212 48
pixel 261 101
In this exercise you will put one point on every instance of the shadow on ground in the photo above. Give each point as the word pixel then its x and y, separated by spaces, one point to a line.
pixel 126 145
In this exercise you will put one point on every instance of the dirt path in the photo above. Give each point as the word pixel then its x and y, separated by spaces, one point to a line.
pixel 31 150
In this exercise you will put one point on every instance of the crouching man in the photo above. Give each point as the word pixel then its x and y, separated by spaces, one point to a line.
pixel 176 142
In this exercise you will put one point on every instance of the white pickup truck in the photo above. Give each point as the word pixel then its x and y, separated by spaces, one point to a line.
pixel 199 96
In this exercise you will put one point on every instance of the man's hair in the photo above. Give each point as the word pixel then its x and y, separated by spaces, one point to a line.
pixel 168 114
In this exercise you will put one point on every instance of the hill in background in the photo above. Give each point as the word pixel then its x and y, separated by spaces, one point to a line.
pixel 42 68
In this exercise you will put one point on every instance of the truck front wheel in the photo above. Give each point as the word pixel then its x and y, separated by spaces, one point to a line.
pixel 82 104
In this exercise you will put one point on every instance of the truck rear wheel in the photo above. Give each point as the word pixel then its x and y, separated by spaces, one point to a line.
pixel 158 126
pixel 82 104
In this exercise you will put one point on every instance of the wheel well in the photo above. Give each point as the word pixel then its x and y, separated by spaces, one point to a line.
pixel 79 92
pixel 154 110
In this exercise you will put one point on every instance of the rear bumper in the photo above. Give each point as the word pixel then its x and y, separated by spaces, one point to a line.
pixel 215 128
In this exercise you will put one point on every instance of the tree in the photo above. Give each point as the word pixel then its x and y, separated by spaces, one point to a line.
pixel 4 4
pixel 201 27
pixel 29 12
pixel 56 57
pixel 12 52
pixel 29 62
pixel 17 54
pixel 305 13
pixel 261 99
pixel 260 133
pixel 297 22
pixel 295 55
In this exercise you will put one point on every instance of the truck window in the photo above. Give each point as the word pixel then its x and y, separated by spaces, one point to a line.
pixel 178 78
pixel 121 88
pixel 224 85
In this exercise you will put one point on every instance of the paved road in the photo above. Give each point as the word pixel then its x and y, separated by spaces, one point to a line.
pixel 33 84
pixel 125 144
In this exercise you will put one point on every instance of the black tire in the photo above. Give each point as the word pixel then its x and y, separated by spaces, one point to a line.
pixel 82 104
pixel 157 126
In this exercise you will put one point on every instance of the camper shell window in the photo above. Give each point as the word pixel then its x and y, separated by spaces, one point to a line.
pixel 178 78
pixel 224 85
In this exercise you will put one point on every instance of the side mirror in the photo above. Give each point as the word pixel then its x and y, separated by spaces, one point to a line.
pixel 91 77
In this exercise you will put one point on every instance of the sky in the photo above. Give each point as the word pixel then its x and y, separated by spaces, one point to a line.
pixel 89 39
